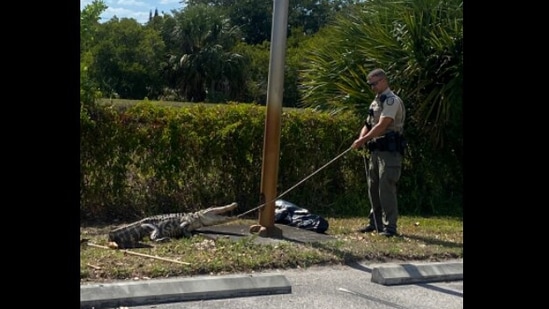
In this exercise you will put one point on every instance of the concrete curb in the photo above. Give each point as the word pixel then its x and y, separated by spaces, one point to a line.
pixel 140 293
pixel 394 274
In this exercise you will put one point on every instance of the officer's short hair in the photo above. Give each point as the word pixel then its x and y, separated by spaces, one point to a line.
pixel 377 73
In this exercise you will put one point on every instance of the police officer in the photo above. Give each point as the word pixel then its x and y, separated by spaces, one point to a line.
pixel 383 135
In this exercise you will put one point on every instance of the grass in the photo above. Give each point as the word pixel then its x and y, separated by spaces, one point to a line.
pixel 422 238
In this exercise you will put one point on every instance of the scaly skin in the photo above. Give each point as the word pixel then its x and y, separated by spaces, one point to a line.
pixel 166 226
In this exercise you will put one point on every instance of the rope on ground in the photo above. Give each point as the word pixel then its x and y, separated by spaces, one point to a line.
pixel 140 254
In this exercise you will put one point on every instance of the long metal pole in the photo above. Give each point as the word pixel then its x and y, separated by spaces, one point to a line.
pixel 271 144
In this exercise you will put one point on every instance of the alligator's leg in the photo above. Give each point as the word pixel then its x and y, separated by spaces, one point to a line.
pixel 164 231
pixel 129 236
pixel 207 217
pixel 155 232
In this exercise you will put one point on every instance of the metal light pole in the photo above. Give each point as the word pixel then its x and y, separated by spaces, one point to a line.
pixel 271 143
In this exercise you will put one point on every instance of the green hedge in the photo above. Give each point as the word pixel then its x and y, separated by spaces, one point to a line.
pixel 148 159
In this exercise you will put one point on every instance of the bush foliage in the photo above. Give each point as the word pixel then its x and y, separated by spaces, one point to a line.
pixel 148 159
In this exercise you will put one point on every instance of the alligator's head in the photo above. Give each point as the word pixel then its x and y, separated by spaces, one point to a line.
pixel 208 217
pixel 216 215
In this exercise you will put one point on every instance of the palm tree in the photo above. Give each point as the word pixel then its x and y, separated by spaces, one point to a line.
pixel 419 42
pixel 207 70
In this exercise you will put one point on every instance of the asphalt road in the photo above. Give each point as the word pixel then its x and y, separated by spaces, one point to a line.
pixel 343 287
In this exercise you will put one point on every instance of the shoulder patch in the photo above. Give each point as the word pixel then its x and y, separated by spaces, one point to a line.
pixel 391 101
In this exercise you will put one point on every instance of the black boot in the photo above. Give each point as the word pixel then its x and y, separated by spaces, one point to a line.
pixel 389 232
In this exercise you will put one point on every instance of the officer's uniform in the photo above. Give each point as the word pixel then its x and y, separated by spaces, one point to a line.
pixel 385 164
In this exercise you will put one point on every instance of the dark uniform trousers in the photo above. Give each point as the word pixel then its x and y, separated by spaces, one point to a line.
pixel 383 174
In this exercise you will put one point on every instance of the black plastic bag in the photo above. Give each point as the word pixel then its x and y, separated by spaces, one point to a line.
pixel 289 214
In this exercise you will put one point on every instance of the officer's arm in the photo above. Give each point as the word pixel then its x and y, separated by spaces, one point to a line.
pixel 363 131
pixel 376 131
pixel 381 126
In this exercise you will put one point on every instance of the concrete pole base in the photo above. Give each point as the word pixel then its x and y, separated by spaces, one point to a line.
pixel 264 231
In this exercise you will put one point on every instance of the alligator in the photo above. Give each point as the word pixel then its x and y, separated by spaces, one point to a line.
pixel 167 226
